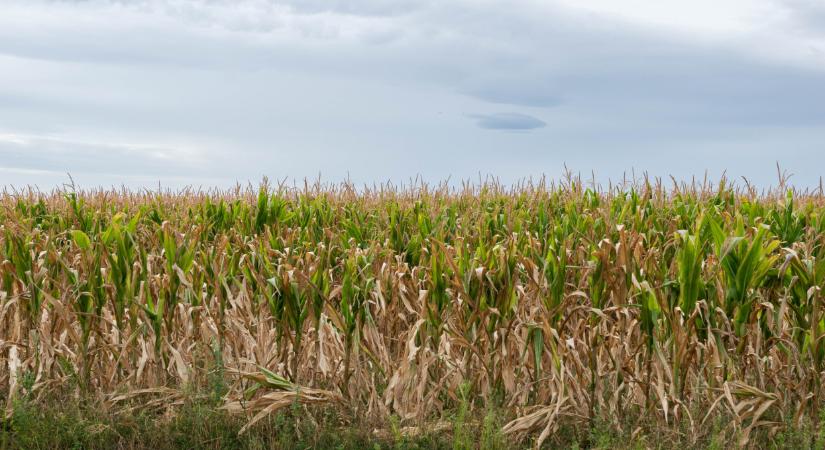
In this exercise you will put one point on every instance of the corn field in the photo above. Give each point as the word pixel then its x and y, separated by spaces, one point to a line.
pixel 559 302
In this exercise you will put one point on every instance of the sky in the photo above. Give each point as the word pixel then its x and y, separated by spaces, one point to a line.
pixel 210 93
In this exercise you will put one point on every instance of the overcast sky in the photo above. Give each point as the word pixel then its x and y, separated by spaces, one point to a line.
pixel 213 92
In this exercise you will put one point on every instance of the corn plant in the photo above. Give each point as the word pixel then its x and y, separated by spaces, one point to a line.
pixel 559 302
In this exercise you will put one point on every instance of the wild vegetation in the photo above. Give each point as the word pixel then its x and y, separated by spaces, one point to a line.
pixel 553 310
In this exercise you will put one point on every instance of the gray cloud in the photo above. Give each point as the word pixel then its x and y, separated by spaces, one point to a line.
pixel 507 121
pixel 362 7
pixel 808 15
pixel 520 92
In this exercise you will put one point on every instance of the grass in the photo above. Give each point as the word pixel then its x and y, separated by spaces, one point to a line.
pixel 76 424
pixel 193 425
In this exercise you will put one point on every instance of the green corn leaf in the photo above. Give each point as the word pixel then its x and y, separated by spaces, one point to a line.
pixel 81 239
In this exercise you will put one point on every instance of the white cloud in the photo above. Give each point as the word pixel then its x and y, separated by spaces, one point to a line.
pixel 698 16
